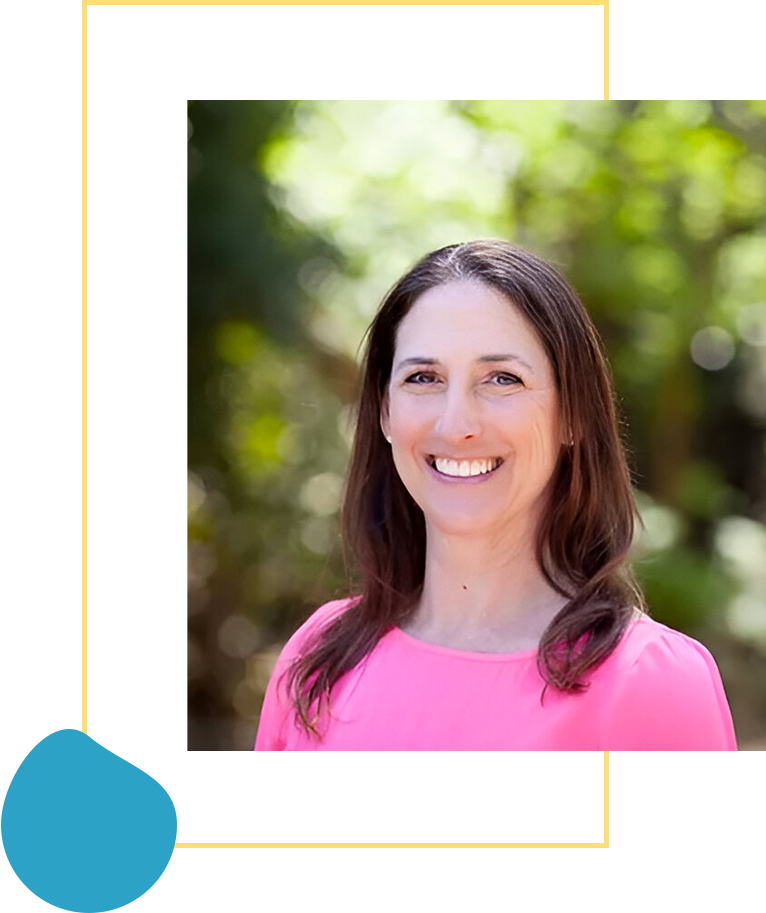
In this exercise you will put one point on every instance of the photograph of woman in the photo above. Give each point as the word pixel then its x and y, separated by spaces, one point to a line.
pixel 489 510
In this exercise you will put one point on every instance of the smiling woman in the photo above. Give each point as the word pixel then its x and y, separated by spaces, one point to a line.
pixel 489 507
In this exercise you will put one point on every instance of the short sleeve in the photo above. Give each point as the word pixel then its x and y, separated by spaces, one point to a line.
pixel 671 698
pixel 274 713
pixel 277 710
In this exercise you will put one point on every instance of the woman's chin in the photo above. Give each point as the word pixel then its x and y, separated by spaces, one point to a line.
pixel 464 525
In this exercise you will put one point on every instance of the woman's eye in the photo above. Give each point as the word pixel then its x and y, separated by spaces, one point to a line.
pixel 506 380
pixel 421 377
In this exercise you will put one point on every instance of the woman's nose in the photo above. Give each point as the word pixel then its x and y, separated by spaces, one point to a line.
pixel 460 419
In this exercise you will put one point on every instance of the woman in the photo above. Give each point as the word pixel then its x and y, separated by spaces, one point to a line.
pixel 489 506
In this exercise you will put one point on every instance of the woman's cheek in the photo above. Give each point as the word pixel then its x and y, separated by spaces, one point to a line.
pixel 407 418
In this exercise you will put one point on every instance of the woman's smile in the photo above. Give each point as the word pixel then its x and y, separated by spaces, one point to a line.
pixel 464 470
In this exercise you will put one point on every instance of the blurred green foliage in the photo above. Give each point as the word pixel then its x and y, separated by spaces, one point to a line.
pixel 302 214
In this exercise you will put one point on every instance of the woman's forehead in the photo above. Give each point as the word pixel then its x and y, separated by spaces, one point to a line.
pixel 466 320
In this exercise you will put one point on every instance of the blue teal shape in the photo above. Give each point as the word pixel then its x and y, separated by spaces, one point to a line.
pixel 82 828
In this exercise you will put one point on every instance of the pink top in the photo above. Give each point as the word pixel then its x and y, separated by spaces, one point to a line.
pixel 659 690
pixel 431 744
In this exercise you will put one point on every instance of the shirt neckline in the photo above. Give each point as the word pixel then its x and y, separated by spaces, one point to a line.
pixel 456 653
pixel 460 654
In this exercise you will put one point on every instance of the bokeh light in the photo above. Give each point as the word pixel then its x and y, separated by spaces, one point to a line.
pixel 712 348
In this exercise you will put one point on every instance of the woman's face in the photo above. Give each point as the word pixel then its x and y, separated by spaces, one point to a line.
pixel 472 412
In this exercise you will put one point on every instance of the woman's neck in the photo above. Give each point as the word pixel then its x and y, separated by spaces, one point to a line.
pixel 483 595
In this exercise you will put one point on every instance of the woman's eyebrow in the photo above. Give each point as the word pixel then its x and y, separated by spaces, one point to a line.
pixel 482 358
pixel 416 361
pixel 504 357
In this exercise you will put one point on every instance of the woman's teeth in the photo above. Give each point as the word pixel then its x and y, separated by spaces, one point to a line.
pixel 465 467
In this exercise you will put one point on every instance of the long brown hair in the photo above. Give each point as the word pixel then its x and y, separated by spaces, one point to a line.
pixel 586 532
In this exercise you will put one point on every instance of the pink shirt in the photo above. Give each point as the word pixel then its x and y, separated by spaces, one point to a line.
pixel 659 690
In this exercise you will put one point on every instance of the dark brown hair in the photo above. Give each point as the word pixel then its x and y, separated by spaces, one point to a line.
pixel 585 534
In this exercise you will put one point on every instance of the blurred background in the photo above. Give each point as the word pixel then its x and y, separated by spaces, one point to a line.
pixel 303 214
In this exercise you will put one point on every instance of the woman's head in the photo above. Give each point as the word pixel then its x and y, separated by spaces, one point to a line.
pixel 563 407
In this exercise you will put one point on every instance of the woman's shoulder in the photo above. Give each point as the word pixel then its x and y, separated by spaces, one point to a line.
pixel 657 649
pixel 665 692
pixel 277 705
pixel 315 623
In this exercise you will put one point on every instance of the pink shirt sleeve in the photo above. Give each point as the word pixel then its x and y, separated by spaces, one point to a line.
pixel 670 699
pixel 277 710
pixel 274 713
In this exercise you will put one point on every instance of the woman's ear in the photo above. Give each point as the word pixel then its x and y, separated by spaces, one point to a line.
pixel 384 420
